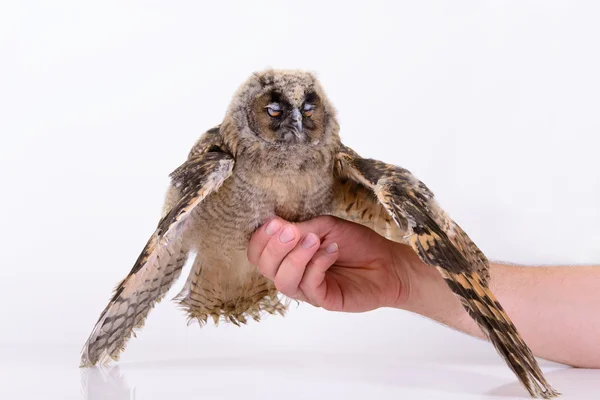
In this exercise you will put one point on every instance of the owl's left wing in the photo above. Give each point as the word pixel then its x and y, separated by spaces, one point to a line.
pixel 162 258
pixel 439 242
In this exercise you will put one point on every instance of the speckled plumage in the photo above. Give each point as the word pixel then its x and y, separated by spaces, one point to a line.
pixel 277 152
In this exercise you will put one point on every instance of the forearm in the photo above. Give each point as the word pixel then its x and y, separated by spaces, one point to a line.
pixel 556 309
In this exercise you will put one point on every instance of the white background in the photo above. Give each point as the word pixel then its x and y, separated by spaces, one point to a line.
pixel 494 104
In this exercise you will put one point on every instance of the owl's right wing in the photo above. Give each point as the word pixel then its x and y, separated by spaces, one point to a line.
pixel 354 202
pixel 160 262
pixel 367 188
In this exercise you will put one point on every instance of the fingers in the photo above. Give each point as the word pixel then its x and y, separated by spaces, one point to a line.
pixel 292 267
pixel 290 256
pixel 301 273
pixel 261 237
pixel 271 245
pixel 321 226
pixel 313 284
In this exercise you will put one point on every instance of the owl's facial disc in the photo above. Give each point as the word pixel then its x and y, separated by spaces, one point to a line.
pixel 286 120
pixel 277 120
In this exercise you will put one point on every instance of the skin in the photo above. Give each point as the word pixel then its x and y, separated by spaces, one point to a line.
pixel 343 266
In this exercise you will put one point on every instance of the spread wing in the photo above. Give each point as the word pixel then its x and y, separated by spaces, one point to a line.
pixel 354 202
pixel 161 260
pixel 439 242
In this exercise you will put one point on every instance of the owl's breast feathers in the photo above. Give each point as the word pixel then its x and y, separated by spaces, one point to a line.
pixel 293 182
pixel 296 185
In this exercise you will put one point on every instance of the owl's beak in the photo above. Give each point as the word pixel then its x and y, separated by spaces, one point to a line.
pixel 297 117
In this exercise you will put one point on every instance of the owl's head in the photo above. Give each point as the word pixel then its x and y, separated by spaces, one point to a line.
pixel 284 107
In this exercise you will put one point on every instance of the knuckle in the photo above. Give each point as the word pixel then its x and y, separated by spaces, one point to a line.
pixel 264 270
pixel 300 259
pixel 283 286
pixel 272 250
pixel 294 260
pixel 305 287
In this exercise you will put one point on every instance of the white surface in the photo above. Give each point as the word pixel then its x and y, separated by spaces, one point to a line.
pixel 265 374
pixel 493 104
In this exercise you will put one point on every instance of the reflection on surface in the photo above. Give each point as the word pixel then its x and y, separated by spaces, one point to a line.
pixel 350 376
pixel 573 383
pixel 105 383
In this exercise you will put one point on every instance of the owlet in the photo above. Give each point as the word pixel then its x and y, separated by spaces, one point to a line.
pixel 278 152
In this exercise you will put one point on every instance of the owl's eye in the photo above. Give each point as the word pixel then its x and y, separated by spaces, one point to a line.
pixel 308 109
pixel 273 109
pixel 273 113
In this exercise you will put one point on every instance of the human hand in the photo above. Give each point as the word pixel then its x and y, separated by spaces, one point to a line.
pixel 331 263
pixel 366 271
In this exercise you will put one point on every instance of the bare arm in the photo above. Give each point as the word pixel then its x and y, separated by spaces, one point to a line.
pixel 556 309
pixel 343 266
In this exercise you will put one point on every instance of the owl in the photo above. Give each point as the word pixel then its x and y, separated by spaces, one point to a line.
pixel 278 152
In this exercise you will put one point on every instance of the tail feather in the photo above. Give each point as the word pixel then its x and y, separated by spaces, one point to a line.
pixel 483 307
pixel 211 293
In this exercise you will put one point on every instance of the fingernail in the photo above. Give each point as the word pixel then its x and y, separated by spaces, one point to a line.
pixel 309 240
pixel 287 235
pixel 273 227
pixel 332 248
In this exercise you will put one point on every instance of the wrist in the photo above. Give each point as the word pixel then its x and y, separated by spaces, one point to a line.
pixel 426 293
pixel 422 285
pixel 408 268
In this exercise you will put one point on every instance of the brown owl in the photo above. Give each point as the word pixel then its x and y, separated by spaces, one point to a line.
pixel 278 152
